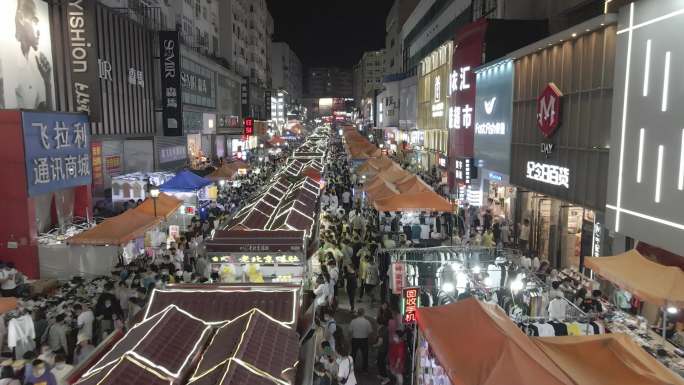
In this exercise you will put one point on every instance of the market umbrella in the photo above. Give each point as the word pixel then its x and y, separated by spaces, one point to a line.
pixel 421 201
pixel 606 359
pixel 659 284
pixel 478 344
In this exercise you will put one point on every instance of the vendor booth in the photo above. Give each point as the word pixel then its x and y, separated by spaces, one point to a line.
pixel 258 256
pixel 193 190
pixel 420 201
pixel 135 185
pixel 229 171
pixel 474 343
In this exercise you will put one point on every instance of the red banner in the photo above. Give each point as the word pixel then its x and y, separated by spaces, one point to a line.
pixel 98 174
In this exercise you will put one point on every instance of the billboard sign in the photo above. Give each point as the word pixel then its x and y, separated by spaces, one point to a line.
pixel 56 150
pixel 493 117
pixel 172 108
pixel 549 110
pixel 26 67
pixel 410 298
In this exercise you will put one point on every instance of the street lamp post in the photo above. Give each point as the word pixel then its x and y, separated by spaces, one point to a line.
pixel 154 193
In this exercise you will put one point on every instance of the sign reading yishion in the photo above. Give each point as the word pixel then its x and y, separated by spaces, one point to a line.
pixel 171 83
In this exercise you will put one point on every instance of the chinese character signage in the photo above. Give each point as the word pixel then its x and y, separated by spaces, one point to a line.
pixel 57 151
pixel 493 117
pixel 467 55
pixel 244 96
pixel 267 105
pixel 398 275
pixel 549 173
pixel 261 259
pixel 465 170
pixel 172 154
pixel 249 127
pixel 410 297
pixel 171 83
pixel 97 165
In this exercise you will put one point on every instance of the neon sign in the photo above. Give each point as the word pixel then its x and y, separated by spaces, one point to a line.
pixel 411 299
pixel 549 173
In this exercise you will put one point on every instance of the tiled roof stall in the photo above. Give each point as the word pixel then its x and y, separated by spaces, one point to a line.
pixel 255 341
pixel 234 374
pixel 218 305
pixel 128 372
pixel 165 344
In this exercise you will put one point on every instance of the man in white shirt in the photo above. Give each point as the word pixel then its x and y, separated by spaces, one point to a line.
pixel 84 320
pixel 524 238
pixel 9 280
pixel 346 199
pixel 360 328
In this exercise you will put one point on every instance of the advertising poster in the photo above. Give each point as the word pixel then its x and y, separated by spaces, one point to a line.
pixel 26 67
pixel 172 109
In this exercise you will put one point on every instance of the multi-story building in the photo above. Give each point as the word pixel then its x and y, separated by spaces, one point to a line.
pixel 287 70
pixel 368 81
pixel 328 82
pixel 398 14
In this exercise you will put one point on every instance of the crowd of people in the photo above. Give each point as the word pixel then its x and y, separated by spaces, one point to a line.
pixel 352 262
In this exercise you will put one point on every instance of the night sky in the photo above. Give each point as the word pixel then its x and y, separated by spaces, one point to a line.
pixel 330 32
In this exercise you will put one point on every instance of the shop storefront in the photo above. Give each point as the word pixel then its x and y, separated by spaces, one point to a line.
pixel 492 132
pixel 432 102
pixel 171 152
pixel 560 138
pixel 646 173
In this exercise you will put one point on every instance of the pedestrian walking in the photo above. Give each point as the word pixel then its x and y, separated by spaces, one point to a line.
pixel 371 278
pixel 360 329
pixel 345 365
pixel 382 345
pixel 350 281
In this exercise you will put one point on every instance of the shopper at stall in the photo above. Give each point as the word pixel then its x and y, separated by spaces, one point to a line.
pixel 57 336
pixel 83 349
pixel 39 374
pixel 61 369
pixel 84 320
pixel 397 357
pixel 360 329
pixel 345 364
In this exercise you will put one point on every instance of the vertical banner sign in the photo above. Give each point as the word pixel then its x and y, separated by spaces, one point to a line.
pixel 410 297
pixel 267 104
pixel 96 156
pixel 82 54
pixel 244 97
pixel 57 151
pixel 172 103
pixel 398 276
pixel 249 127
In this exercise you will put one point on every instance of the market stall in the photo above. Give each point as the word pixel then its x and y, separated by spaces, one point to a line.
pixel 193 190
pixel 474 343
pixel 258 256
pixel 134 186
pixel 420 201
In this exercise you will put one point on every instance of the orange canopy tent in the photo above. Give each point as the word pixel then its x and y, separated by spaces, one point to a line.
pixel 166 205
pixel 606 359
pixel 659 284
pixel 380 191
pixel 374 165
pixel 393 173
pixel 477 344
pixel 118 230
pixel 412 184
pixel 421 201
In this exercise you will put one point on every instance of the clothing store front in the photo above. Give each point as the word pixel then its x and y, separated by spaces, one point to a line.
pixel 560 138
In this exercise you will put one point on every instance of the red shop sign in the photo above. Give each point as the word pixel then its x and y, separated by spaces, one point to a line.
pixel 411 299
pixel 398 276
pixel 549 110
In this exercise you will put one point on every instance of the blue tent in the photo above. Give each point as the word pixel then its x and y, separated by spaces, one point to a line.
pixel 185 181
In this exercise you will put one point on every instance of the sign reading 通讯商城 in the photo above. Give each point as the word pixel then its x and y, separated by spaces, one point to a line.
pixel 56 150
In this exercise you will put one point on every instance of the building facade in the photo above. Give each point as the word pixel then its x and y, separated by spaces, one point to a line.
pixel 287 71
pixel 328 82
pixel 397 16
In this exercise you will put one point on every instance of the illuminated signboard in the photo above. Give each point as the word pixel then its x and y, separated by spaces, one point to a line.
pixel 398 276
pixel 442 161
pixel 438 104
pixel 261 259
pixel 549 110
pixel 460 116
pixel 493 117
pixel 596 240
pixel 549 173
pixel 465 170
pixel 411 299
pixel 249 127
